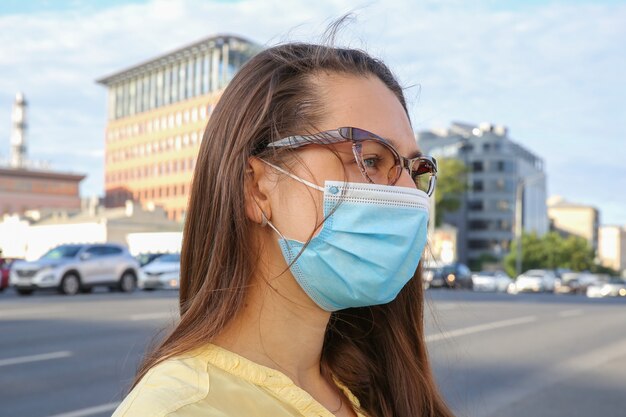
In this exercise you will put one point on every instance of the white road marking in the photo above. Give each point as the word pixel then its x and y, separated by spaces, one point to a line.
pixel 89 411
pixel 442 307
pixel 151 316
pixel 29 312
pixel 480 328
pixel 35 358
pixel 570 313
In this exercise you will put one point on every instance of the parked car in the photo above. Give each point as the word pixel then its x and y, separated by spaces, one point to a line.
pixel 615 287
pixel 5 269
pixel 77 268
pixel 145 258
pixel 163 272
pixel 455 275
pixel 493 281
pixel 536 280
pixel 432 277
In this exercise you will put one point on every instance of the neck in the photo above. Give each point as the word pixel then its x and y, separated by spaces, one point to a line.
pixel 280 329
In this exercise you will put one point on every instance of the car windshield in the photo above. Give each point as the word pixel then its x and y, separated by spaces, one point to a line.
pixel 535 273
pixel 174 257
pixel 487 273
pixel 62 252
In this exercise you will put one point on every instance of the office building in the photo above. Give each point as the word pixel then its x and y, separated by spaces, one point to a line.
pixel 496 166
pixel 157 112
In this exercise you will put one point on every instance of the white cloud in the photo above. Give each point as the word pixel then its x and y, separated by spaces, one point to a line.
pixel 553 74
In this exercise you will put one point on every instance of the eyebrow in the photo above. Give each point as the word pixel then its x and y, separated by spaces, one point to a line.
pixel 412 155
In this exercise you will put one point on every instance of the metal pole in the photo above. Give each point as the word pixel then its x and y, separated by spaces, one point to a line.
pixel 518 226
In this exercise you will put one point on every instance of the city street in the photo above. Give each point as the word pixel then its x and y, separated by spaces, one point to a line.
pixel 494 354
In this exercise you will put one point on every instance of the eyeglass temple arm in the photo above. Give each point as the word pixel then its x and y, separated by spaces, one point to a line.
pixel 301 140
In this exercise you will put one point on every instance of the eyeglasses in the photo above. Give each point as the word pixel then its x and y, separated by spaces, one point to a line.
pixel 378 161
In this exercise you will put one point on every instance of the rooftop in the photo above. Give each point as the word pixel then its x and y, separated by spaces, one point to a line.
pixel 196 48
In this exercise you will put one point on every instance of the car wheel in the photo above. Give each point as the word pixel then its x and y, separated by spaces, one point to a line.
pixel 127 282
pixel 24 292
pixel 70 284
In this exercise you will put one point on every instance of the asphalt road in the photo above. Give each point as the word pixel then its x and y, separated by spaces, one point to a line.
pixel 493 354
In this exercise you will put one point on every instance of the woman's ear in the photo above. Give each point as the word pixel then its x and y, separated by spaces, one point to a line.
pixel 258 208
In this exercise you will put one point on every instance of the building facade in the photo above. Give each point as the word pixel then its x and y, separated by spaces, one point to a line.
pixel 29 189
pixel 157 112
pixel 574 219
pixel 612 247
pixel 497 166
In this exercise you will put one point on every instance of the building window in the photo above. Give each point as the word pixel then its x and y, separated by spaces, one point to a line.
pixel 503 205
pixel 190 79
pixel 486 147
pixel 475 205
pixel 174 86
pixel 479 225
pixel 477 185
pixel 159 89
pixel 167 85
pixel 206 73
pixel 182 81
pixel 504 225
pixel 477 166
pixel 478 244
pixel 198 77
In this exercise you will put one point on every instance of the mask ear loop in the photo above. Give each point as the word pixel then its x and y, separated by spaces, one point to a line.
pixel 266 222
pixel 289 174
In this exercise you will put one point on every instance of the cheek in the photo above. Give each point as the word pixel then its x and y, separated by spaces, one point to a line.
pixel 299 211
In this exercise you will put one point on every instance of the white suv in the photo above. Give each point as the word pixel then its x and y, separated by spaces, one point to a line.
pixel 73 268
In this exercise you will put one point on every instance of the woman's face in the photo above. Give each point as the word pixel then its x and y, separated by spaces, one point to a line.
pixel 363 102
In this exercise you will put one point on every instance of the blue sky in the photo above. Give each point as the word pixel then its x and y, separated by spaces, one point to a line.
pixel 552 71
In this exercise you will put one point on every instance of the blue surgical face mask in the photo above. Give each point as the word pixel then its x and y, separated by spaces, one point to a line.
pixel 368 248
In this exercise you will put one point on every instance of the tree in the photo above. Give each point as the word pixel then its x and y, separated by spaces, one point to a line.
pixel 550 252
pixel 451 183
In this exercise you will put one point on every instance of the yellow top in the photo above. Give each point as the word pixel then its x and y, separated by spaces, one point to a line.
pixel 214 382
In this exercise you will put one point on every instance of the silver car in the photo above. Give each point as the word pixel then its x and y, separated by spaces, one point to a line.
pixel 536 280
pixel 77 268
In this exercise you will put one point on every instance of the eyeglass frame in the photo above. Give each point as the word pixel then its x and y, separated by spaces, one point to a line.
pixel 345 134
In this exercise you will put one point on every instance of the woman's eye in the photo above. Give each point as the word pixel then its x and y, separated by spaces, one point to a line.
pixel 370 162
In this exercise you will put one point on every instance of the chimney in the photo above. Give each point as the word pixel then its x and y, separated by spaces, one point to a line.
pixel 18 132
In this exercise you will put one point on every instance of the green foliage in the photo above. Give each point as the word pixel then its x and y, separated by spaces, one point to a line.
pixel 550 252
pixel 451 183
pixel 478 264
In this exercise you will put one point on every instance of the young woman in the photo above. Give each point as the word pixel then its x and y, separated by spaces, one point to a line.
pixel 300 290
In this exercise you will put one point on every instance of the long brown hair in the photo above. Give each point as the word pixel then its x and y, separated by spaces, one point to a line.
pixel 378 352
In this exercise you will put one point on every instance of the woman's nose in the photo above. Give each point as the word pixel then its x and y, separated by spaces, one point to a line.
pixel 405 179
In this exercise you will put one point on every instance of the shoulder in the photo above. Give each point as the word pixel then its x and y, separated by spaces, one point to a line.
pixel 167 388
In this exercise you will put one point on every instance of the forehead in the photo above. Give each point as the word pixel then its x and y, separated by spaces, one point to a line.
pixel 366 103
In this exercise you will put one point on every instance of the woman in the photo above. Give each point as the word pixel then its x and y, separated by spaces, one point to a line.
pixel 306 222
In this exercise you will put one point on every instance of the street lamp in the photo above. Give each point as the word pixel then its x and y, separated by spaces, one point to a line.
pixel 521 184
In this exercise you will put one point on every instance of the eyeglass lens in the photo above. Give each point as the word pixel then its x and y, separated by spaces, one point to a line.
pixel 382 166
